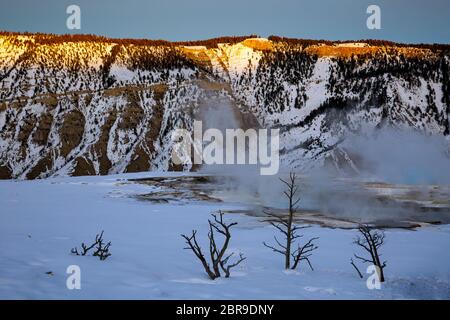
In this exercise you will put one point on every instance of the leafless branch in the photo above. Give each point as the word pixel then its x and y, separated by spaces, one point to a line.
pixel 356 268
pixel 304 252
pixel 101 250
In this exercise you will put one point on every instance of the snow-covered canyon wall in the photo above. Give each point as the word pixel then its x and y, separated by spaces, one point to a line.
pixel 103 106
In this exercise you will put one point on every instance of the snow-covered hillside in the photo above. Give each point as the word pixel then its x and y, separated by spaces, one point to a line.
pixel 42 220
pixel 80 106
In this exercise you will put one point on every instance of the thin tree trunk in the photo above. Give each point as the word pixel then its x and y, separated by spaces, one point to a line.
pixel 287 263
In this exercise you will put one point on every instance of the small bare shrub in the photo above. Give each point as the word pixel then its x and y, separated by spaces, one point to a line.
pixel 219 260
pixel 100 249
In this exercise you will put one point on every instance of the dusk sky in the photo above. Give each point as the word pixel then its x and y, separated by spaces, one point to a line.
pixel 411 21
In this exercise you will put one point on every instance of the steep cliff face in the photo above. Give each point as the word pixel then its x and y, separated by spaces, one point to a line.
pixel 319 94
pixel 89 107
pixel 103 106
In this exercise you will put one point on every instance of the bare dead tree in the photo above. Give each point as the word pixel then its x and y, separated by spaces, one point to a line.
pixel 218 258
pixel 286 226
pixel 101 250
pixel 371 240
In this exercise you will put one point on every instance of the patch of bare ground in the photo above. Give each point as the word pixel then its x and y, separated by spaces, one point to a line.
pixel 83 167
pixel 5 172
pixel 42 166
pixel 171 196
pixel 71 132
pixel 141 158
pixel 101 145
pixel 177 189
pixel 258 44
pixel 42 130
pixel 349 50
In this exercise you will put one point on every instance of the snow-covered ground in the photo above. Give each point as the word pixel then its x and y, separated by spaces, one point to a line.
pixel 41 220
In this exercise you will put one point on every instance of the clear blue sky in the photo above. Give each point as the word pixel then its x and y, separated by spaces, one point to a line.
pixel 401 20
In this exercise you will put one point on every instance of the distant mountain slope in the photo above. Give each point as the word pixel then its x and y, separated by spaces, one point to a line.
pixel 84 105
